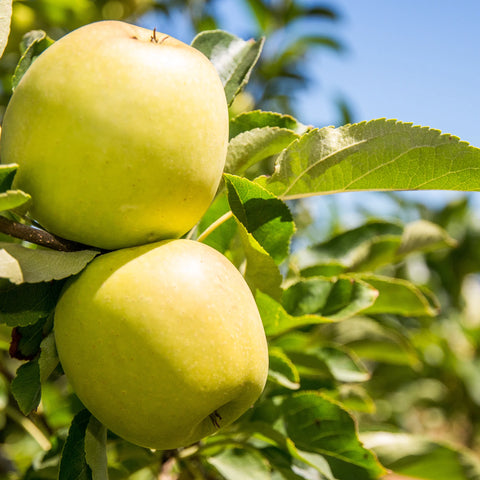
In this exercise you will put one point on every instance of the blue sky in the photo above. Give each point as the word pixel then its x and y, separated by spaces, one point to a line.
pixel 414 60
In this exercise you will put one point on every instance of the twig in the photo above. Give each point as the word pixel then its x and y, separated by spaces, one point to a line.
pixel 166 470
pixel 39 237
pixel 29 427
pixel 214 225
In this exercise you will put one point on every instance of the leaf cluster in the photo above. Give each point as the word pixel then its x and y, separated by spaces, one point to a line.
pixel 335 311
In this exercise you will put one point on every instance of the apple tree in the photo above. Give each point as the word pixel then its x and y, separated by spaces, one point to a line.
pixel 355 344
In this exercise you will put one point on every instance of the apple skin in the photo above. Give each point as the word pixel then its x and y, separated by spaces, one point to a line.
pixel 120 139
pixel 162 341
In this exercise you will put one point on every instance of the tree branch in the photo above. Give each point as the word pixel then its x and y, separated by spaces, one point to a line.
pixel 39 237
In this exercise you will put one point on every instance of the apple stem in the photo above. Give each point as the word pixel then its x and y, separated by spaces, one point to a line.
pixel 39 236
pixel 215 417
pixel 214 226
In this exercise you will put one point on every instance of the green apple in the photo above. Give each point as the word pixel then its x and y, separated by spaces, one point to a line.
pixel 163 343
pixel 120 134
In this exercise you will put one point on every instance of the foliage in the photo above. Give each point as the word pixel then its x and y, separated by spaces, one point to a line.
pixel 372 332
pixel 292 31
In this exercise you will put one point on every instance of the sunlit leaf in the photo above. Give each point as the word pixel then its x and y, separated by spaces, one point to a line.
pixel 238 464
pixel 263 215
pixel 317 424
pixel 12 199
pixel 233 58
pixel 376 155
pixel 33 44
pixel 282 370
pixel 400 297
pixel 336 298
pixel 253 146
pixel 20 264
pixel 343 364
pixel 261 119
pixel 5 18
pixel 277 321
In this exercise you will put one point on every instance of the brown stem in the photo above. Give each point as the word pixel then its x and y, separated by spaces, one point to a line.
pixel 39 237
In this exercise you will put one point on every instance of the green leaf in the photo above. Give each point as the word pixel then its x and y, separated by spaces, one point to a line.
pixel 263 215
pixel 261 271
pixel 5 18
pixel 12 199
pixel 373 341
pixel 417 237
pixel 284 457
pixel 33 44
pixel 376 155
pixel 48 359
pixel 354 398
pixel 294 464
pixel 258 135
pixel 317 360
pixel 7 172
pixel 73 465
pixel 251 147
pixel 347 247
pixel 317 424
pixel 343 364
pixel 237 464
pixel 26 340
pixel 399 297
pixel 27 303
pixel 373 245
pixel 422 458
pixel 233 58
pixel 424 236
pixel 282 370
pixel 308 41
pixel 26 386
pixel 258 119
pixel 20 264
pixel 277 321
pixel 336 298
pixel 96 449
pixel 262 13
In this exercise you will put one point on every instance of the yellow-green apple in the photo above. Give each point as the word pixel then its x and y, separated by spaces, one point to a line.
pixel 163 343
pixel 120 134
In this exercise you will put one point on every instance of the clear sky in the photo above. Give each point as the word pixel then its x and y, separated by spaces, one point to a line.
pixel 414 60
